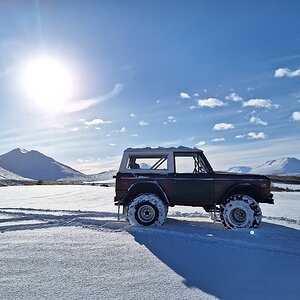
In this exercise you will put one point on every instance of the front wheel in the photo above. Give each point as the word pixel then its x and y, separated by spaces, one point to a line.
pixel 146 210
pixel 240 211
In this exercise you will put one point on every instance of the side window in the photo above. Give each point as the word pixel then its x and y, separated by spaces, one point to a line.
pixel 148 163
pixel 189 163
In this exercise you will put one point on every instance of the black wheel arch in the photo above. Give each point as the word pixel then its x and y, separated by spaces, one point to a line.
pixel 242 188
pixel 148 187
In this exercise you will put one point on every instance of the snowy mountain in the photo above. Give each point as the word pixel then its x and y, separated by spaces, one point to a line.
pixel 239 169
pixel 7 175
pixel 281 166
pixel 35 165
pixel 100 177
pixel 103 176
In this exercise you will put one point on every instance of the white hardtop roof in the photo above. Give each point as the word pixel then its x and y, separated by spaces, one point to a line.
pixel 163 149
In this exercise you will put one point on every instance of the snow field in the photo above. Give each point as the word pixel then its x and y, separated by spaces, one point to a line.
pixel 285 185
pixel 81 251
pixel 74 263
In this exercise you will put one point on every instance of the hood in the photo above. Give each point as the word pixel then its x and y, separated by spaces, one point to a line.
pixel 240 176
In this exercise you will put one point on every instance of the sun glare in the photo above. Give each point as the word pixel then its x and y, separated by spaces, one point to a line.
pixel 48 83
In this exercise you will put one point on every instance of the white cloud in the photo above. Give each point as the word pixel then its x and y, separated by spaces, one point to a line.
pixel 223 126
pixel 218 140
pixel 123 129
pixel 134 135
pixel 281 72
pixel 258 121
pixel 193 107
pixel 200 143
pixel 184 95
pixel 260 135
pixel 241 136
pixel 84 104
pixel 143 123
pixel 133 115
pixel 234 97
pixel 96 122
pixel 210 102
pixel 260 103
pixel 98 128
pixel 172 119
pixel 74 129
pixel 296 116
pixel 205 90
pixel 196 95
pixel 81 161
pixel 112 145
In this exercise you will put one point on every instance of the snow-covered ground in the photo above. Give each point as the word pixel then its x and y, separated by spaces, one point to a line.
pixel 285 186
pixel 64 242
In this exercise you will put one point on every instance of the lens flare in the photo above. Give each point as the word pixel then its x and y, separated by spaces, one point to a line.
pixel 48 83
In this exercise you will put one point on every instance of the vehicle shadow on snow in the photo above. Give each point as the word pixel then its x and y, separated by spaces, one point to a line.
pixel 228 264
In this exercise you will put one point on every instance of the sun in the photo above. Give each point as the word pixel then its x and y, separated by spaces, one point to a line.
pixel 48 83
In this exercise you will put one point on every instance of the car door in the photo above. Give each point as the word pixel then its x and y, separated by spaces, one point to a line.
pixel 193 182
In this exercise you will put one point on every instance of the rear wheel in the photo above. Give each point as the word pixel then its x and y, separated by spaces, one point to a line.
pixel 146 210
pixel 240 211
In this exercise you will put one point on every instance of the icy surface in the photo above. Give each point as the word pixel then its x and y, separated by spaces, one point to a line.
pixel 64 242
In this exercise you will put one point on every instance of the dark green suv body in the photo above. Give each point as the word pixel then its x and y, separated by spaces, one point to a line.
pixel 152 179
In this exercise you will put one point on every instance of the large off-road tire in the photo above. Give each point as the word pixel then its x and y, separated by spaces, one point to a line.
pixel 240 211
pixel 147 210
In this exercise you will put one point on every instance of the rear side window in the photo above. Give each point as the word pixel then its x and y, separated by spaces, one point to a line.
pixel 147 162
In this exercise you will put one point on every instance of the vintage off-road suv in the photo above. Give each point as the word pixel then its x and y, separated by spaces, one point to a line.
pixel 150 180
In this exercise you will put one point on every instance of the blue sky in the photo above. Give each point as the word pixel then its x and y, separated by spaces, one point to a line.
pixel 221 76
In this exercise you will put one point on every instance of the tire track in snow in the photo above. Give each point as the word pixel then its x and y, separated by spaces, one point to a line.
pixel 51 218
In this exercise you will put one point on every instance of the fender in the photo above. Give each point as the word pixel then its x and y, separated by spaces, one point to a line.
pixel 243 188
pixel 147 187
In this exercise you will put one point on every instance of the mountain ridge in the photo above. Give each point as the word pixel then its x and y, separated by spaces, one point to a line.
pixel 280 166
pixel 35 165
